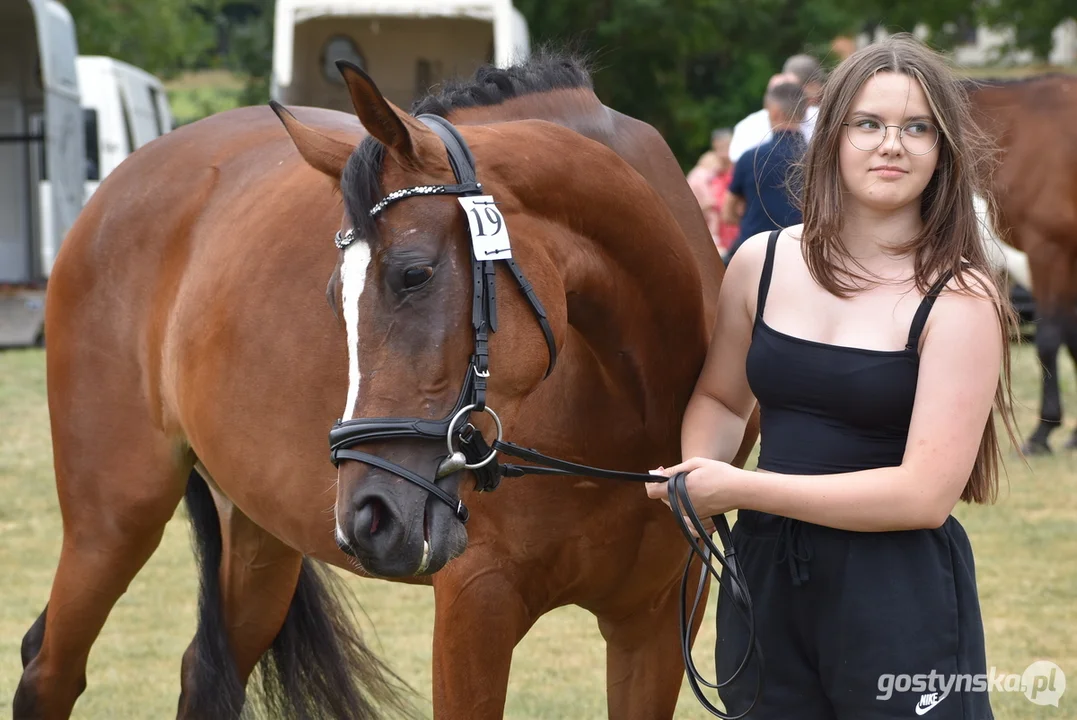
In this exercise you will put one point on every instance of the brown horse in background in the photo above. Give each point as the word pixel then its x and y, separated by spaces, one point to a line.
pixel 1034 123
pixel 191 351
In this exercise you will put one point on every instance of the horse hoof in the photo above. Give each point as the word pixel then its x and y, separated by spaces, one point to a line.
pixel 1036 447
pixel 1071 444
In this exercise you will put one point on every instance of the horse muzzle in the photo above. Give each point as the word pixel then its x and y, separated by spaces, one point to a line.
pixel 395 529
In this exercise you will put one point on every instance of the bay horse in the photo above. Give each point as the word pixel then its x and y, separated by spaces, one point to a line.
pixel 1031 120
pixel 204 335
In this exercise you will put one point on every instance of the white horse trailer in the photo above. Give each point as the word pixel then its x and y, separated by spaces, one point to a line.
pixel 124 108
pixel 407 46
pixel 41 156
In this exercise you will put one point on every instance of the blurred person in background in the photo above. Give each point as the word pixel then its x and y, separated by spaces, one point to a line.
pixel 842 47
pixel 724 232
pixel 755 128
pixel 810 75
pixel 700 179
pixel 759 198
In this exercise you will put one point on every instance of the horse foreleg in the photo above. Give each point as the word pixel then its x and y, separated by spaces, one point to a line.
pixel 1049 331
pixel 1069 335
pixel 115 509
pixel 479 618
pixel 1053 289
pixel 257 580
pixel 644 666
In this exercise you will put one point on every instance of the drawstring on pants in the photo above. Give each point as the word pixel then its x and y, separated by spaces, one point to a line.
pixel 794 548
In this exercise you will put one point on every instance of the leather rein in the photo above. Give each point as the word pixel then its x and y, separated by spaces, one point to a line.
pixel 480 457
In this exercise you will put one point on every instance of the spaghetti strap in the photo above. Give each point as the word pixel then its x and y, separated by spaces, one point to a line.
pixel 764 277
pixel 920 318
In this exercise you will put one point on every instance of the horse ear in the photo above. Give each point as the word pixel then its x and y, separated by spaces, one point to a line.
pixel 395 129
pixel 323 153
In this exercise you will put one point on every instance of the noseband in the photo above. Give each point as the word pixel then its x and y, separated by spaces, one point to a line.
pixel 477 455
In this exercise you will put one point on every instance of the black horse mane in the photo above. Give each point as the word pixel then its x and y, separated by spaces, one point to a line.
pixel 492 85
pixel 543 72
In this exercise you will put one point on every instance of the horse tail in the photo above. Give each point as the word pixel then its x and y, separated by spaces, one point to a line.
pixel 209 672
pixel 318 665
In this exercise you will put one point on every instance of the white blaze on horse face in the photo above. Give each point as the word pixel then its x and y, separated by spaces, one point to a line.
pixel 352 279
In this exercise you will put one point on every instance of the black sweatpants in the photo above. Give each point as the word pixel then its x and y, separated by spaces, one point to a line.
pixel 855 625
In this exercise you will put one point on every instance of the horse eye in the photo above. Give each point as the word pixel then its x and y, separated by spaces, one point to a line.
pixel 416 276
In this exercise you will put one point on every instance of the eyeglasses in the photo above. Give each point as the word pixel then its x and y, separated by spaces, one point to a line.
pixel 917 136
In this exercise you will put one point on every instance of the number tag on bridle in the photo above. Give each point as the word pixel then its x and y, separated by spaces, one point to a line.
pixel 489 234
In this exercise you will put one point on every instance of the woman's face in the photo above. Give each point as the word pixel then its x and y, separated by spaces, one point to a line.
pixel 893 174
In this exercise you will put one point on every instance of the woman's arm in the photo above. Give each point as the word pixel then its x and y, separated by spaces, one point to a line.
pixel 959 371
pixel 722 402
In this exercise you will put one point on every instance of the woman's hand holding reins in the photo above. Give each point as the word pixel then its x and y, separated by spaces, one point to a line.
pixel 711 484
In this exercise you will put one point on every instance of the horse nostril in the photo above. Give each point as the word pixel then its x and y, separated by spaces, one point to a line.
pixel 369 517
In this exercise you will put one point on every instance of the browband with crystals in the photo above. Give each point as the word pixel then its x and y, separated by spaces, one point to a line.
pixel 461 189
pixel 469 188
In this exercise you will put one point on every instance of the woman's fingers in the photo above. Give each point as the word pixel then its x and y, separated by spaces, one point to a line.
pixel 687 466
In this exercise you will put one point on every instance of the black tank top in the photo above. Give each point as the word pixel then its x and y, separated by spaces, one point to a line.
pixel 831 408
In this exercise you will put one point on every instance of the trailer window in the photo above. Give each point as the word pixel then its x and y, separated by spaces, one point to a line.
pixel 128 128
pixel 155 103
pixel 93 152
pixel 340 47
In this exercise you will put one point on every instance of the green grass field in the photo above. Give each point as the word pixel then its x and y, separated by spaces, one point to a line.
pixel 1025 546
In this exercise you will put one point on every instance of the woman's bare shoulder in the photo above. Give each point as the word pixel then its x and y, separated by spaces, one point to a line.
pixel 793 232
pixel 975 285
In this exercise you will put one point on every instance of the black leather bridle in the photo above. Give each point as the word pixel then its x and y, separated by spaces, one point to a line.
pixel 477 455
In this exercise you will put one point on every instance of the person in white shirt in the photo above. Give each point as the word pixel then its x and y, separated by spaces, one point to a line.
pixel 754 130
pixel 810 75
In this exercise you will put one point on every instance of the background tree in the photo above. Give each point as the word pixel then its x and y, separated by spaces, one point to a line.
pixel 163 37
pixel 1033 21
pixel 685 66
pixel 689 66
pixel 249 51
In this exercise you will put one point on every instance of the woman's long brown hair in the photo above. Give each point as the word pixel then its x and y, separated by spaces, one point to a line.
pixel 950 236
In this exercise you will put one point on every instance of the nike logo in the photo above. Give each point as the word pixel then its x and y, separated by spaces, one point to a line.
pixel 927 702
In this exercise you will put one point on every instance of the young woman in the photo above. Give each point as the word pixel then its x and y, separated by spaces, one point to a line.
pixel 873 337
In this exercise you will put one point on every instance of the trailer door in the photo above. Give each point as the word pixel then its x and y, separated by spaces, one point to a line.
pixel 15 229
pixel 62 190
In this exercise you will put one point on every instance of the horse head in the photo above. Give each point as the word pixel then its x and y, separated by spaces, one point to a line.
pixel 405 286
pixel 440 363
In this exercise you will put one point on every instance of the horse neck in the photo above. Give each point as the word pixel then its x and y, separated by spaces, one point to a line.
pixel 637 333
pixel 594 193
pixel 1023 96
pixel 632 288
pixel 637 144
